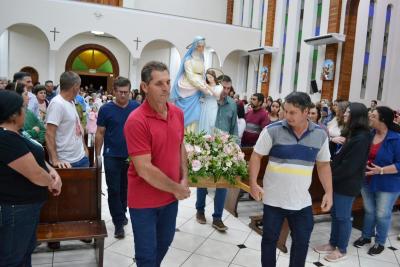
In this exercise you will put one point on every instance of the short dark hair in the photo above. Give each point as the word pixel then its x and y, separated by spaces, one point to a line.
pixel 300 100
pixel 121 82
pixel 260 97
pixel 376 102
pixel 38 88
pixel 68 79
pixel 16 87
pixel 19 76
pixel 224 78
pixel 48 81
pixel 149 68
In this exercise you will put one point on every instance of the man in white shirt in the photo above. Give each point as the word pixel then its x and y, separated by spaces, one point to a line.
pixel 294 145
pixel 26 79
pixel 64 134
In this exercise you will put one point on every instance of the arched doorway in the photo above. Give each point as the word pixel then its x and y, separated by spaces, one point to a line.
pixel 33 72
pixel 96 66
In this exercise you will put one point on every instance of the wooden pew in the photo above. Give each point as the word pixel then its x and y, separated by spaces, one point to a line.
pixel 76 213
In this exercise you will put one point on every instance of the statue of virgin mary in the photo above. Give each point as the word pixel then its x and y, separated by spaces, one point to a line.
pixel 190 84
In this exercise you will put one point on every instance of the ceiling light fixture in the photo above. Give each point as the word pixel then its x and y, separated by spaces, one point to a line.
pixel 97 32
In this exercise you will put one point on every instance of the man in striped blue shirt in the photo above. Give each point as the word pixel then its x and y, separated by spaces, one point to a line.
pixel 294 145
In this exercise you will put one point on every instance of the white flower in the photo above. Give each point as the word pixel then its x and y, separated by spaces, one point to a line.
pixel 196 165
pixel 197 149
pixel 228 164
pixel 189 148
pixel 227 149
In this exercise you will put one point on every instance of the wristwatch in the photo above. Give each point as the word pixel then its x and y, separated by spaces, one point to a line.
pixel 381 171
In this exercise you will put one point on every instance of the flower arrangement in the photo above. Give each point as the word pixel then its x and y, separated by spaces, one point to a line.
pixel 214 156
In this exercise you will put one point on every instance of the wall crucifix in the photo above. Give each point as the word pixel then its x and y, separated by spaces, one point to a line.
pixel 137 41
pixel 54 33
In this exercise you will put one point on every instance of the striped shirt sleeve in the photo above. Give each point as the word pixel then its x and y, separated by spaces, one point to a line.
pixel 324 154
pixel 264 143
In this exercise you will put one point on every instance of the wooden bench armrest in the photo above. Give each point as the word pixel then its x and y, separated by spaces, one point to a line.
pixel 52 232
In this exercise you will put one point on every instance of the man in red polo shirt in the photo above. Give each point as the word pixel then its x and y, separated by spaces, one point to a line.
pixel 157 176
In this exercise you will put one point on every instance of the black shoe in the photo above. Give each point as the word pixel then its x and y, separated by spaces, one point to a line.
pixel 376 249
pixel 53 245
pixel 119 232
pixel 125 222
pixel 87 241
pixel 361 242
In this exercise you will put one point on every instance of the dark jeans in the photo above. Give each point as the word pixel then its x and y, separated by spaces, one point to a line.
pixel 341 221
pixel 116 170
pixel 84 162
pixel 300 223
pixel 153 232
pixel 18 225
pixel 219 201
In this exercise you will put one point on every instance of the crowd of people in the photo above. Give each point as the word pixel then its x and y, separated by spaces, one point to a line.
pixel 356 150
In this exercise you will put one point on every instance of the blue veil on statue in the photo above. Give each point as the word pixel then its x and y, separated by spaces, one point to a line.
pixel 190 105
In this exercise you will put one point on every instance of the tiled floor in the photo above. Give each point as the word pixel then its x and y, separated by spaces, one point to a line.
pixel 200 245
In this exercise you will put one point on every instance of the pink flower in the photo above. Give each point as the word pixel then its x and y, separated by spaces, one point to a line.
pixel 196 165
pixel 208 137
pixel 227 149
pixel 225 138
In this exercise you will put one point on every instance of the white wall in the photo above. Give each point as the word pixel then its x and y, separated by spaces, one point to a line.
pixel 4 54
pixel 205 9
pixel 236 67
pixel 157 50
pixel 391 92
pixel 28 46
pixel 276 63
pixel 75 17
pixel 211 59
pixel 120 52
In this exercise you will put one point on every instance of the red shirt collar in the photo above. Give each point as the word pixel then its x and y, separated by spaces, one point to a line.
pixel 150 112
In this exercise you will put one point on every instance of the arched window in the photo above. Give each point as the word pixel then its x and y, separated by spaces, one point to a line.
pixel 367 48
pixel 284 45
pixel 93 61
pixel 299 38
pixel 384 51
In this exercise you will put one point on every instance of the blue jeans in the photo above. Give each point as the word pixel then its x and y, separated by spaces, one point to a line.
pixel 84 162
pixel 378 213
pixel 341 221
pixel 301 224
pixel 153 232
pixel 219 201
pixel 116 170
pixel 18 225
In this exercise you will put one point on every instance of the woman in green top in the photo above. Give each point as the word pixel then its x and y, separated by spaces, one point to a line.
pixel 32 125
